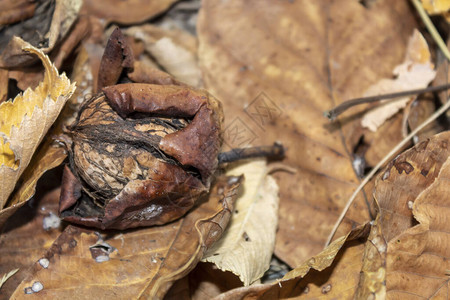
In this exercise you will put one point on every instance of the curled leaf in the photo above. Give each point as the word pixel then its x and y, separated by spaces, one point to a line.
pixel 247 246
pixel 26 120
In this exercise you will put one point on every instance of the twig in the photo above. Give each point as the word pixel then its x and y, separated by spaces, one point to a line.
pixel 433 31
pixel 332 114
pixel 433 117
pixel 275 151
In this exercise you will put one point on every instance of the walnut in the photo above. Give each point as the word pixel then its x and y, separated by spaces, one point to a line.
pixel 140 155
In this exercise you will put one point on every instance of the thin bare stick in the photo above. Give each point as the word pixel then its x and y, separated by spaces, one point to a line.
pixel 332 114
pixel 400 145
pixel 433 31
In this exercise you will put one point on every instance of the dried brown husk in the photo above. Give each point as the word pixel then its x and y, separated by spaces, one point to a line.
pixel 143 162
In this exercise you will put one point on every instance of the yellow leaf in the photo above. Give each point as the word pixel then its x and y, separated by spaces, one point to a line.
pixel 436 6
pixel 25 120
pixel 247 245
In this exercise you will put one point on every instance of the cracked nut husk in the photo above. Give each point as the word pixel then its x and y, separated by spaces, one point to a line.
pixel 140 155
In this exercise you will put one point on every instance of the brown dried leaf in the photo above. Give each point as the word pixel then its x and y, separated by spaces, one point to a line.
pixel 247 245
pixel 3 84
pixel 50 29
pixel 140 263
pixel 175 50
pixel 372 281
pixel 16 11
pixel 338 272
pixel 285 75
pixel 404 179
pixel 26 120
pixel 125 12
pixel 413 195
pixel 204 282
pixel 24 239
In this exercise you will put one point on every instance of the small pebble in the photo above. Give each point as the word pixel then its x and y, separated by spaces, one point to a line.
pixel 44 263
pixel 37 286
pixel 51 221
pixel 101 258
pixel 410 204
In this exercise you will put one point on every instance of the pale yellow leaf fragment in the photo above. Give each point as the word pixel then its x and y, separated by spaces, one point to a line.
pixel 25 120
pixel 247 245
pixel 415 72
pixel 434 7
pixel 7 276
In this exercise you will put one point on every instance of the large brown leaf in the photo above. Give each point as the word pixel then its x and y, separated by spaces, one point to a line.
pixel 286 62
pixel 134 264
pixel 23 239
pixel 334 272
pixel 413 193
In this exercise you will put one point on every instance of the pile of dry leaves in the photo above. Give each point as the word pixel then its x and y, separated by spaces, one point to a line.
pixel 116 150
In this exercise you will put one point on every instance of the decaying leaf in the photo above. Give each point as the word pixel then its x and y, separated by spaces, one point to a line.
pixel 51 22
pixel 26 120
pixel 16 11
pixel 437 7
pixel 372 282
pixel 24 238
pixel 3 85
pixel 141 263
pixel 404 179
pixel 275 82
pixel 247 245
pixel 305 282
pixel 415 72
pixel 413 194
pixel 205 281
pixel 174 50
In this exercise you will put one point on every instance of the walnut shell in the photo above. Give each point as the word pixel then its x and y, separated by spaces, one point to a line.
pixel 140 155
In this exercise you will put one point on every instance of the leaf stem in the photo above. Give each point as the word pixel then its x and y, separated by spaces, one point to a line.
pixel 400 145
pixel 332 114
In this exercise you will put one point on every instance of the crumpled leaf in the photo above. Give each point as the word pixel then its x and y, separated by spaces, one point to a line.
pixel 305 281
pixel 25 121
pixel 55 27
pixel 138 264
pixel 247 245
pixel 174 50
pixel 16 11
pixel 415 72
pixel 24 239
